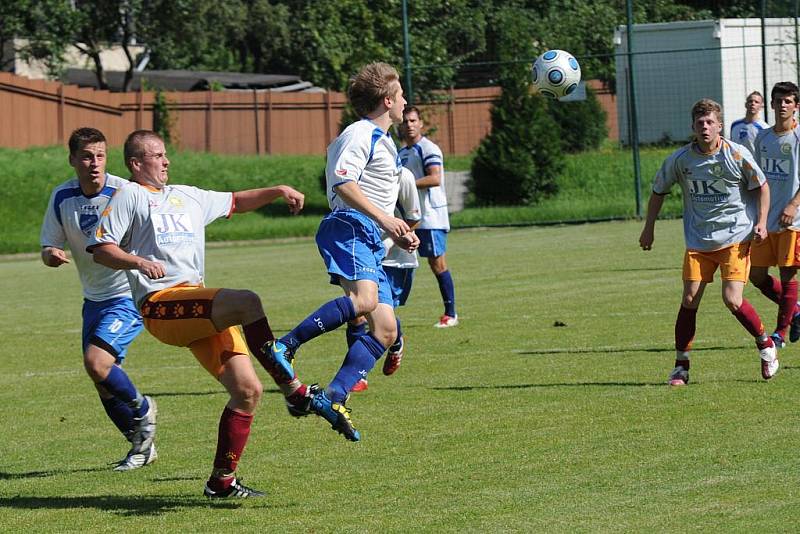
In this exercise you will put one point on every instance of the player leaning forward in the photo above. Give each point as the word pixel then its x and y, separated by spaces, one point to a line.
pixel 156 233
pixel 725 205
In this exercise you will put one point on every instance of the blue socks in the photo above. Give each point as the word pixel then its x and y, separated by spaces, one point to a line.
pixel 120 414
pixel 448 292
pixel 329 316
pixel 359 361
pixel 118 384
pixel 354 332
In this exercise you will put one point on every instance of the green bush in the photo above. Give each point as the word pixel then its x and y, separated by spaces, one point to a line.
pixel 582 123
pixel 519 161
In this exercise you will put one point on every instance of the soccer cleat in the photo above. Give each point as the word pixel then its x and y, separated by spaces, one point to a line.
pixel 778 340
pixel 281 357
pixel 135 460
pixel 445 321
pixel 794 328
pixel 360 386
pixel 302 407
pixel 336 414
pixel 144 429
pixel 769 362
pixel 394 357
pixel 236 490
pixel 679 376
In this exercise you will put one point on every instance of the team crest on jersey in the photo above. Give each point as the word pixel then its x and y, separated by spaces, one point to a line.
pixel 786 149
pixel 175 201
pixel 88 218
pixel 716 170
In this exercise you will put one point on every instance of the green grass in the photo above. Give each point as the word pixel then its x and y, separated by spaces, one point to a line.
pixel 504 423
pixel 594 185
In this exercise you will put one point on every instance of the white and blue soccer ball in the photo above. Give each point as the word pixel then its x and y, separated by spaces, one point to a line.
pixel 556 73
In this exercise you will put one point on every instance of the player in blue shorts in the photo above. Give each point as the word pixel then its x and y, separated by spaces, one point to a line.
pixel 110 319
pixel 424 159
pixel 362 173
pixel 399 266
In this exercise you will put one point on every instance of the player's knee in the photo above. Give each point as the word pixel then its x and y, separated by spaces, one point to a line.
pixel 248 394
pixel 248 299
pixel 366 303
pixel 97 368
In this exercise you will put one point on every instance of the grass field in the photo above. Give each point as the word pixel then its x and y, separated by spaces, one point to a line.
pixel 505 423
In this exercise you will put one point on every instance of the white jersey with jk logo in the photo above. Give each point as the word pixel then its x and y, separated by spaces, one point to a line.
pixel 719 209
pixel 167 226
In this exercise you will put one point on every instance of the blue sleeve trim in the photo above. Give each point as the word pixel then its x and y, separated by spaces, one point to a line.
pixel 63 195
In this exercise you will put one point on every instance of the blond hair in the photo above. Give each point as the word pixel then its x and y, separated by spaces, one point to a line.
pixel 367 89
pixel 705 106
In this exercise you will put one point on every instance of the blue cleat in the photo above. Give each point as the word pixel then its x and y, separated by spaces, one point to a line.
pixel 794 328
pixel 336 414
pixel 778 340
pixel 281 357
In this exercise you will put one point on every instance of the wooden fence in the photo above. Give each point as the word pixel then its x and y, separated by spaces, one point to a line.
pixel 37 112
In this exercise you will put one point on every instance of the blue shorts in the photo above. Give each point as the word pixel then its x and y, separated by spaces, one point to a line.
pixel 432 243
pixel 351 247
pixel 400 281
pixel 111 325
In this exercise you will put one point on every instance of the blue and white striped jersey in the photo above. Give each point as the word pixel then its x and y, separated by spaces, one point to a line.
pixel 418 159
pixel 365 154
pixel 71 219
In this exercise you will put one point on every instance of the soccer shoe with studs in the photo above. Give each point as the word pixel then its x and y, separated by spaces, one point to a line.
pixel 281 357
pixel 394 357
pixel 236 490
pixel 778 340
pixel 360 386
pixel 135 460
pixel 144 430
pixel 445 321
pixel 679 376
pixel 794 327
pixel 301 407
pixel 336 414
pixel 769 362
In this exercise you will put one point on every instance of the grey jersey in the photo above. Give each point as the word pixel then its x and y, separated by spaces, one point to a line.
pixel 777 154
pixel 167 226
pixel 718 210
pixel 71 218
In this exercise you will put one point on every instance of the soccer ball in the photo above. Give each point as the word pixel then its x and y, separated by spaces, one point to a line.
pixel 556 73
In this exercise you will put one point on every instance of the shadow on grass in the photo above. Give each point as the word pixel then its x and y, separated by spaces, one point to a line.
pixel 636 269
pixel 121 505
pixel 48 473
pixel 613 350
pixel 553 385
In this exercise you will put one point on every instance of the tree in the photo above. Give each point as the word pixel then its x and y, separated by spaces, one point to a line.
pixel 519 161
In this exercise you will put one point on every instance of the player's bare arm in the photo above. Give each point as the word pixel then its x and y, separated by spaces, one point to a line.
pixel 54 257
pixel 648 232
pixel 252 199
pixel 790 210
pixel 112 256
pixel 760 229
pixel 352 194
pixel 432 178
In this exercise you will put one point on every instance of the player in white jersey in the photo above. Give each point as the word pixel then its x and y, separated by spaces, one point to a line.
pixel 725 205
pixel 399 266
pixel 776 151
pixel 744 131
pixel 362 175
pixel 110 320
pixel 156 234
pixel 424 158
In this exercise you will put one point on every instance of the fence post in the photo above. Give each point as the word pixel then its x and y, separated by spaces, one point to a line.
pixel 209 119
pixel 451 121
pixel 255 115
pixel 268 123
pixel 61 114
pixel 139 108
pixel 328 120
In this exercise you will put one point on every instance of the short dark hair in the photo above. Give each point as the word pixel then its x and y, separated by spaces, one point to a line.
pixel 755 93
pixel 134 145
pixel 84 136
pixel 785 88
pixel 706 106
pixel 367 89
pixel 410 109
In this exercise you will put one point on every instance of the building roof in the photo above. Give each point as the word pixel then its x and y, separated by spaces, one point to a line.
pixel 185 80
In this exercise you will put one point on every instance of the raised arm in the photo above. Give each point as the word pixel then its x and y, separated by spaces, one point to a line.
pixel 252 199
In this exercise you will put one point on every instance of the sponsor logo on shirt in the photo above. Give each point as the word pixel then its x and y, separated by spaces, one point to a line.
pixel 341 172
pixel 776 169
pixel 173 228
pixel 707 191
